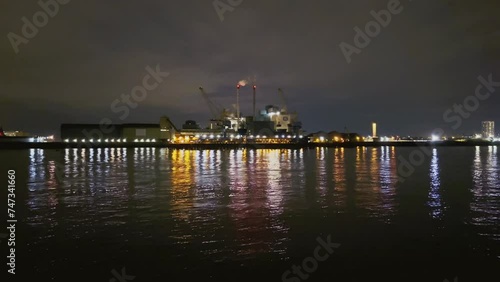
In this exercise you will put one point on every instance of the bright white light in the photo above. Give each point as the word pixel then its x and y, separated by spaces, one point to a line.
pixel 118 140
pixel 153 140
pixel 289 136
pixel 83 140
pixel 435 138
pixel 142 140
pixel 148 140
pixel 74 140
pixel 277 136
pixel 264 136
pixel 136 140
pixel 282 136
pixel 212 136
pixel 322 139
pixel 99 140
pixel 66 140
pixel 232 136
pixel 301 136
pixel 125 140
pixel 107 140
pixel 258 136
pixel 91 140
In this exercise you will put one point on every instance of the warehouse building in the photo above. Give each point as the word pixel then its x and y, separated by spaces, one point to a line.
pixel 134 131
pixel 90 131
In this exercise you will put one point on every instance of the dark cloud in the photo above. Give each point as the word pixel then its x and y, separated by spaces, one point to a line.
pixel 427 59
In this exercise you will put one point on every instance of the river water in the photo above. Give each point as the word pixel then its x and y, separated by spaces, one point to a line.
pixel 151 214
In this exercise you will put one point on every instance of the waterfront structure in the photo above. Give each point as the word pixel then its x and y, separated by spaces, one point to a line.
pixel 488 129
pixel 167 129
pixel 90 131
pixel 135 131
pixel 102 132
pixel 374 130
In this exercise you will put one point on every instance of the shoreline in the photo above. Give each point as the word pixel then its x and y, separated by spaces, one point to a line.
pixel 63 145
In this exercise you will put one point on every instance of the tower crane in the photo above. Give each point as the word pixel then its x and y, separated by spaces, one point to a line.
pixel 215 109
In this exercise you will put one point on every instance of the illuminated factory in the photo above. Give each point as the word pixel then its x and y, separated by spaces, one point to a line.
pixel 274 124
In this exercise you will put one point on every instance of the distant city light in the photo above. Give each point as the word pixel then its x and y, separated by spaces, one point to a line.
pixel 435 138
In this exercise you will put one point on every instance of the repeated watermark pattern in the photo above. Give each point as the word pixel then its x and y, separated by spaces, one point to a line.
pixel 223 6
pixel 363 38
pixel 121 106
pixel 454 115
pixel 471 103
pixel 30 28
pixel 310 264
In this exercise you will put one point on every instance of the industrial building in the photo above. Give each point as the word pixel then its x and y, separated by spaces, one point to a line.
pixel 90 131
pixel 488 129
pixel 271 120
pixel 224 126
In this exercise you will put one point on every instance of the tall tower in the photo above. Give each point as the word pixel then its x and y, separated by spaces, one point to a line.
pixel 374 130
pixel 488 129
pixel 254 90
pixel 238 101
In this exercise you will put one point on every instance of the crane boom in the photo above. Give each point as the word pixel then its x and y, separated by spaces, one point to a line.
pixel 214 109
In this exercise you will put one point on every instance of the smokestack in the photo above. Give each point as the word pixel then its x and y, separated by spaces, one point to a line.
pixel 238 101
pixel 254 90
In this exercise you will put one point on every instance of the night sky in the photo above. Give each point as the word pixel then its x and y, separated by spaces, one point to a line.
pixel 426 60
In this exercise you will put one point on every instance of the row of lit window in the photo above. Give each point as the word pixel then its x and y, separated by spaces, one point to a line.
pixel 109 140
pixel 232 136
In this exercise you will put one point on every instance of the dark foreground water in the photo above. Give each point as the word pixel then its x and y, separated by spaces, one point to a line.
pixel 255 215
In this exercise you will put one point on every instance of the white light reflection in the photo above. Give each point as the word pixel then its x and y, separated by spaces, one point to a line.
pixel 434 197
pixel 485 204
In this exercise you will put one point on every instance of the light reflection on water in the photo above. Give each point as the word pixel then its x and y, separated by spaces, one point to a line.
pixel 237 204
pixel 485 205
